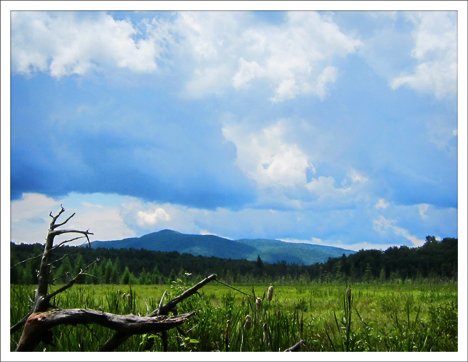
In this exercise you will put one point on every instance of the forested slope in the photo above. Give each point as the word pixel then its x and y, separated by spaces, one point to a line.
pixel 435 260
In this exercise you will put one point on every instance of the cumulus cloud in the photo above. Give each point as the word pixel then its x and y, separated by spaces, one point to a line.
pixel 151 218
pixel 217 50
pixel 381 204
pixel 435 50
pixel 285 174
pixel 267 159
pixel 66 43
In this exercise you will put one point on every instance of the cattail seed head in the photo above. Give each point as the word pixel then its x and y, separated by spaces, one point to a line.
pixel 270 293
pixel 258 303
pixel 129 299
pixel 248 322
pixel 123 295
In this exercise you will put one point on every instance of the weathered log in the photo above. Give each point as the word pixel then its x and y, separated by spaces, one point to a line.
pixel 38 324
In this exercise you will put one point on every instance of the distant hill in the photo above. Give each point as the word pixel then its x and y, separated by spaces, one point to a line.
pixel 270 251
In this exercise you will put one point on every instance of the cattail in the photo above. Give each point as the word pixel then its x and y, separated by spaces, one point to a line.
pixel 226 336
pixel 248 322
pixel 123 295
pixel 118 291
pixel 129 299
pixel 265 334
pixel 258 303
pixel 270 293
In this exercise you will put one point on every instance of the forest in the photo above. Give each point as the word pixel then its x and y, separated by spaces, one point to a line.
pixel 435 261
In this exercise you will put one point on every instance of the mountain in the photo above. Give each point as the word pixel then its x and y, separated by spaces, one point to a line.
pixel 270 251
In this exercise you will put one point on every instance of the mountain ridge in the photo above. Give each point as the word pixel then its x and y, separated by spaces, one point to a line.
pixel 269 250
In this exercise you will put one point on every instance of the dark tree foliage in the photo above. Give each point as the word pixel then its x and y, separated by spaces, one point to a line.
pixel 435 260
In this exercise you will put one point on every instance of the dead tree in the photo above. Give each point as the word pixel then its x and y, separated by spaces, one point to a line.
pixel 38 322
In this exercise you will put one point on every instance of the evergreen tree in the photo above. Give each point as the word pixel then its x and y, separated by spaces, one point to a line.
pixel 382 276
pixel 367 277
pixel 259 262
pixel 126 276
pixel 92 277
pixel 115 277
pixel 133 279
pixel 108 272
pixel 100 270
pixel 143 277
pixel 15 270
pixel 172 276
pixel 63 273
pixel 155 277
pixel 79 265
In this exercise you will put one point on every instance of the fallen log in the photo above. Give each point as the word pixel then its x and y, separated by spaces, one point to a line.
pixel 38 325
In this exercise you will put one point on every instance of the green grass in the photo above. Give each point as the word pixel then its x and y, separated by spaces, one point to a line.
pixel 378 317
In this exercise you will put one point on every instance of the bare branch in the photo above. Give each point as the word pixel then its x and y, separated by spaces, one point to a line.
pixel 118 338
pixel 25 260
pixel 63 223
pixel 189 292
pixel 54 218
pixel 70 283
pixel 55 261
pixel 161 301
pixel 240 291
pixel 66 231
pixel 66 241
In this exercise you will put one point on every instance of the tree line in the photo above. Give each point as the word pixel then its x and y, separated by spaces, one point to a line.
pixel 434 261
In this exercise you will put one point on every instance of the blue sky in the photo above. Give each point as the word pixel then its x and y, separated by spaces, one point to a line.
pixel 335 128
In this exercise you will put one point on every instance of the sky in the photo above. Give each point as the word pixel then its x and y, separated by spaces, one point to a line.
pixel 335 128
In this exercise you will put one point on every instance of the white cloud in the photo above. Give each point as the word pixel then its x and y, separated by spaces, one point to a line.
pixel 33 205
pixel 285 174
pixel 87 204
pixel 267 158
pixel 422 210
pixel 146 217
pixel 326 191
pixel 247 72
pixel 327 76
pixel 66 43
pixel 215 50
pixel 381 204
pixel 383 224
pixel 151 218
pixel 30 219
pixel 435 49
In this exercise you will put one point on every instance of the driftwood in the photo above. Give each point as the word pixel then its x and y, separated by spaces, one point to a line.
pixel 38 322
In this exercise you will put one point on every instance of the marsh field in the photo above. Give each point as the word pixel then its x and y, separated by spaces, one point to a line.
pixel 326 316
